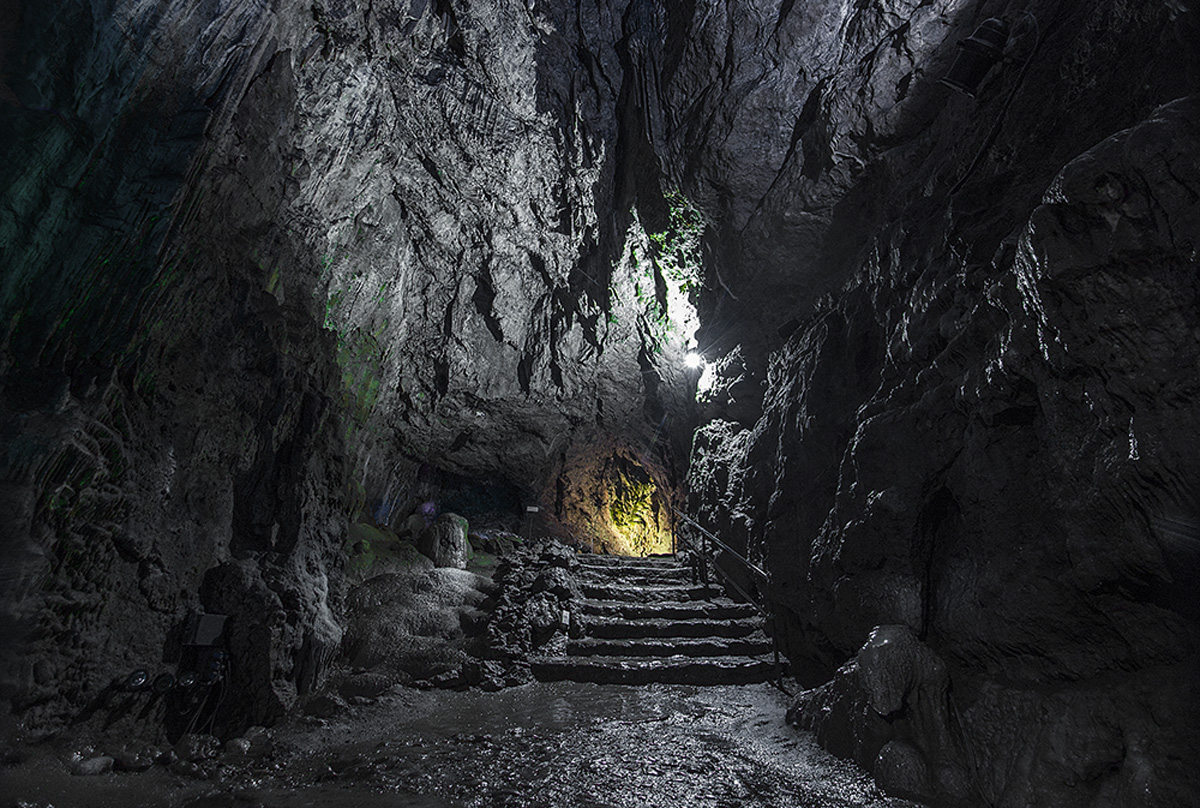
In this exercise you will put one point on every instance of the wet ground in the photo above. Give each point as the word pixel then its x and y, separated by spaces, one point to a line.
pixel 555 745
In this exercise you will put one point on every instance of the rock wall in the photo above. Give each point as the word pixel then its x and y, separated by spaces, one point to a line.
pixel 975 325
pixel 263 261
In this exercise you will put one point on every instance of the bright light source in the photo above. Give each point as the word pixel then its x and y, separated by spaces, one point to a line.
pixel 694 360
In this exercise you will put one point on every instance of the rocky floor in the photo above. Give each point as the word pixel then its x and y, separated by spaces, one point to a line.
pixel 544 744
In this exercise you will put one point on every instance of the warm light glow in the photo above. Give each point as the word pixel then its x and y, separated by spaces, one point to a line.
pixel 694 360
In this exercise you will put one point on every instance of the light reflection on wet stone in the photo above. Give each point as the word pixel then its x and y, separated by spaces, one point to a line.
pixel 546 744
pixel 586 745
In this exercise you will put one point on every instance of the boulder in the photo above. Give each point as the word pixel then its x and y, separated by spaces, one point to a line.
pixel 367 684
pixel 195 747
pixel 559 555
pixel 237 747
pixel 135 758
pixel 445 541
pixel 558 582
pixel 889 710
pixel 261 742
pixel 374 551
pixel 412 526
pixel 496 542
pixel 88 767
pixel 411 625
pixel 900 769
pixel 324 705
pixel 545 617
pixel 487 674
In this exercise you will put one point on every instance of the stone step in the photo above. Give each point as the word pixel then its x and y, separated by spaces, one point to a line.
pixel 752 645
pixel 647 594
pixel 645 670
pixel 615 627
pixel 636 574
pixel 589 559
pixel 719 609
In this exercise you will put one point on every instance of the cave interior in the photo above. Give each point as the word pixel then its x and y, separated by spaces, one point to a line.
pixel 292 292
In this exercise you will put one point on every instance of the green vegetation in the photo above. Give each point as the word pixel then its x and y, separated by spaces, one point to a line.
pixel 360 356
pixel 634 515
pixel 660 273
pixel 372 550
pixel 679 257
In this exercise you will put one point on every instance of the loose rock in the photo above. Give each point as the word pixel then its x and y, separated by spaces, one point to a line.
pixel 445 541
pixel 193 748
pixel 88 767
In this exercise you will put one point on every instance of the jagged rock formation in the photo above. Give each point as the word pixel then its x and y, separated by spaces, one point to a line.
pixel 889 710
pixel 986 431
pixel 264 261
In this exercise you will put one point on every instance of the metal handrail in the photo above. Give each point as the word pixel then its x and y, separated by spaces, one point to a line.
pixel 763 607
pixel 750 565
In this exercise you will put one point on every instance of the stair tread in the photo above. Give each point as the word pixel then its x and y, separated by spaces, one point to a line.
pixel 616 627
pixel 602 582
pixel 719 600
pixel 751 645
pixel 642 670
pixel 616 561
pixel 664 583
pixel 598 620
pixel 640 573
pixel 635 594
pixel 717 609
pixel 634 661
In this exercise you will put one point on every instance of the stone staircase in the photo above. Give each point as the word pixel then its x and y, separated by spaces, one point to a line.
pixel 641 620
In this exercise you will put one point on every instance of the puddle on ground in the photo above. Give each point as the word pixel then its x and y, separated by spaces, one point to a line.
pixel 545 744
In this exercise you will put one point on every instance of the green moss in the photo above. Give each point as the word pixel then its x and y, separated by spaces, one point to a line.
pixel 679 256
pixel 372 550
pixel 634 515
pixel 360 357
pixel 481 559
pixel 273 280
pixel 660 273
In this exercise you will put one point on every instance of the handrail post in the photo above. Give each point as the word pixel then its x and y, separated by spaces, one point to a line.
pixel 775 648
pixel 703 550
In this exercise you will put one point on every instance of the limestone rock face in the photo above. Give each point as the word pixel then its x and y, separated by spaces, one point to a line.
pixel 445 541
pixel 1016 479
pixel 982 430
pixel 263 263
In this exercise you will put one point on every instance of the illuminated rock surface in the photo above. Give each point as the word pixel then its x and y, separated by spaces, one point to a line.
pixel 280 284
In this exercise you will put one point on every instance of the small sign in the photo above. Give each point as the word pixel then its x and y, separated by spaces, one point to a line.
pixel 531 509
